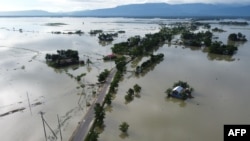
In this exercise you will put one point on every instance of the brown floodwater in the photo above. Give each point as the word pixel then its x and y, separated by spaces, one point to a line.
pixel 220 97
pixel 24 72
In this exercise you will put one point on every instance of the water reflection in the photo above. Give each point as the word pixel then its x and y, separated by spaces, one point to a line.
pixel 64 95
pixel 105 43
pixel 123 135
pixel 238 44
pixel 147 70
pixel 109 108
pixel 181 103
pixel 216 57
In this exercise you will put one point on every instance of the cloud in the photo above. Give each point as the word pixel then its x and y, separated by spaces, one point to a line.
pixel 74 5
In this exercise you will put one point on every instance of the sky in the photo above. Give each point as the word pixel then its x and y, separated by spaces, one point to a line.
pixel 74 5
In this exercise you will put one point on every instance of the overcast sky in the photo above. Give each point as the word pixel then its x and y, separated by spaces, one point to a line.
pixel 73 5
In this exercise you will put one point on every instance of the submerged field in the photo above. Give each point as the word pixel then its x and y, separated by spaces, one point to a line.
pixel 220 82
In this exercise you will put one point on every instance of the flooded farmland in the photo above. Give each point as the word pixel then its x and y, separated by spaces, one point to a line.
pixel 220 83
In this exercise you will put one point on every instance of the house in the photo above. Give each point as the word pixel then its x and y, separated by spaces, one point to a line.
pixel 181 93
pixel 110 57
pixel 178 92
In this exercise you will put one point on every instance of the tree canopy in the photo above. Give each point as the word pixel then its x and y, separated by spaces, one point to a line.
pixel 220 48
pixel 124 127
pixel 237 37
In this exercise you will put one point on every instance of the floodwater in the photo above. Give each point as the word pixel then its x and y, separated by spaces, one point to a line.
pixel 26 79
pixel 220 97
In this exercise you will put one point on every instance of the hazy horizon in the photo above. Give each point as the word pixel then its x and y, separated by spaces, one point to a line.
pixel 78 5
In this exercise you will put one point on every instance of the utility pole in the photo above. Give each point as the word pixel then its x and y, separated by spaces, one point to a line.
pixel 44 121
pixel 43 126
pixel 29 103
pixel 50 129
pixel 59 126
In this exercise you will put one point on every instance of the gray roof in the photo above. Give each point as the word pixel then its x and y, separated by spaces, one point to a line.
pixel 178 89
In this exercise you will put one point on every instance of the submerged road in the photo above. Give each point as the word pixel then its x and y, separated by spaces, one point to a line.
pixel 83 128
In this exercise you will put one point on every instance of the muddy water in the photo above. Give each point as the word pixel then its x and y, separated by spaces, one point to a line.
pixel 221 96
pixel 24 73
pixel 221 83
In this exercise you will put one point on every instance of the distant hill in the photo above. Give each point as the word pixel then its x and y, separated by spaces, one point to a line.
pixel 150 10
pixel 167 10
pixel 26 13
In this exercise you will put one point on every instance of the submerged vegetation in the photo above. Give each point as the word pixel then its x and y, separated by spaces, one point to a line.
pixel 79 32
pixel 103 75
pixel 237 37
pixel 137 46
pixel 131 93
pixel 153 60
pixel 107 36
pixel 197 39
pixel 63 58
pixel 94 32
pixel 234 23
pixel 55 24
pixel 220 48
pixel 216 29
pixel 124 127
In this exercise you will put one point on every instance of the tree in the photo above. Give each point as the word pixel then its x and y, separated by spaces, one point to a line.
pixel 240 35
pixel 168 91
pixel 120 63
pixel 108 99
pixel 137 88
pixel 103 75
pixel 130 92
pixel 99 114
pixel 48 56
pixel 124 127
pixel 130 95
pixel 128 98
pixel 93 136
pixel 233 37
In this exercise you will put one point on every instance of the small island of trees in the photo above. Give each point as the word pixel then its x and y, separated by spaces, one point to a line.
pixel 197 39
pixel 107 36
pixel 131 92
pixel 94 32
pixel 216 29
pixel 153 60
pixel 63 58
pixel 103 75
pixel 234 23
pixel 237 37
pixel 220 48
pixel 180 90
pixel 124 127
pixel 137 46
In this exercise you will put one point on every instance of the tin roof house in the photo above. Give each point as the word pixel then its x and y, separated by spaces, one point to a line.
pixel 178 92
